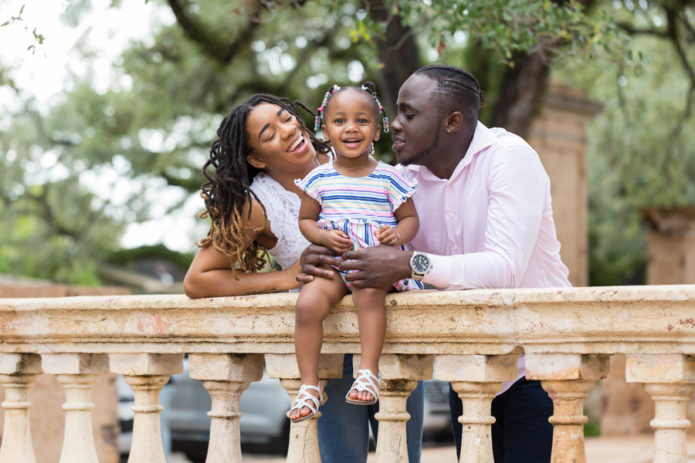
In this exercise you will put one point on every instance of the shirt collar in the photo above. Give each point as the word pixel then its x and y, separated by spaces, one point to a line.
pixel 483 138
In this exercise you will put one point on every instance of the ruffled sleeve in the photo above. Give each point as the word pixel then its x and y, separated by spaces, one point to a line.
pixel 310 184
pixel 399 189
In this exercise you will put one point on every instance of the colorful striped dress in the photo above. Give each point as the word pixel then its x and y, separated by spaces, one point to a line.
pixel 359 206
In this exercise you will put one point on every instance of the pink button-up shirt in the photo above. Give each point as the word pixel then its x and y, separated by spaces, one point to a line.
pixel 490 225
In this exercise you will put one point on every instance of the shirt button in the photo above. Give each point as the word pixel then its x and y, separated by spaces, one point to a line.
pixel 456 247
pixel 450 215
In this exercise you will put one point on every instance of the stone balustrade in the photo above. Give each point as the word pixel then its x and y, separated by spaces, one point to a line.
pixel 470 338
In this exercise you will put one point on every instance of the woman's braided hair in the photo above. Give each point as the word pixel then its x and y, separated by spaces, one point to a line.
pixel 227 190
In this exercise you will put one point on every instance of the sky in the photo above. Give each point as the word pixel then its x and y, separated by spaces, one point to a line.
pixel 44 72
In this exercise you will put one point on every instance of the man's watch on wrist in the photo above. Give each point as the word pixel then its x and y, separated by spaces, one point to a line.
pixel 420 265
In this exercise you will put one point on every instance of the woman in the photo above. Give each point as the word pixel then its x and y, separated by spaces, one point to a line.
pixel 253 205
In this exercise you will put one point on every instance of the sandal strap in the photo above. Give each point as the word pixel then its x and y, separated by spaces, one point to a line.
pixel 305 399
pixel 366 381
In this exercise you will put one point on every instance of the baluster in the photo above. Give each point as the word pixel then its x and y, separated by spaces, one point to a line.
pixel 146 374
pixel 668 379
pixel 304 441
pixel 400 375
pixel 567 378
pixel 226 377
pixel 77 373
pixel 476 379
pixel 17 373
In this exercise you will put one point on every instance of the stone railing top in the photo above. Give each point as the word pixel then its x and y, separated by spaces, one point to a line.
pixel 644 319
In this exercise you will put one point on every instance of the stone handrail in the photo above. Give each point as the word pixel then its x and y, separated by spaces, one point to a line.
pixel 471 338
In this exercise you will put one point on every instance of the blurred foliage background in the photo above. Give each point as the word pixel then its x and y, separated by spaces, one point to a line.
pixel 143 136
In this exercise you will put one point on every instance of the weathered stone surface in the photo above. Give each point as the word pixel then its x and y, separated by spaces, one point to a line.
pixel 565 334
pixel 648 319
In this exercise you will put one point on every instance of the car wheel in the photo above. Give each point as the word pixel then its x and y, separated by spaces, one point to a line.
pixel 196 456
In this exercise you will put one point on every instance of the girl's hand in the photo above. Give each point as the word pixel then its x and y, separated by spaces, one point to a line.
pixel 338 241
pixel 388 235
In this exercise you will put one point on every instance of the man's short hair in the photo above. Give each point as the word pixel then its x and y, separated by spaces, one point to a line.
pixel 457 90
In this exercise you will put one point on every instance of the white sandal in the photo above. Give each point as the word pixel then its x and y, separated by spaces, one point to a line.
pixel 308 400
pixel 365 381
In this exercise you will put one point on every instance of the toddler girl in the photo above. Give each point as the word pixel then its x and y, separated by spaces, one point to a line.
pixel 353 202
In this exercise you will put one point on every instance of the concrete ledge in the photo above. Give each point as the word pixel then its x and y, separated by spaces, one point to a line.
pixel 632 319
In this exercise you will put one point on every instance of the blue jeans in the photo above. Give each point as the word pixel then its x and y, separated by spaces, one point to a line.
pixel 344 428
pixel 521 432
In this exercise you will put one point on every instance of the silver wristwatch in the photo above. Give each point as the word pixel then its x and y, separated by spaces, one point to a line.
pixel 420 265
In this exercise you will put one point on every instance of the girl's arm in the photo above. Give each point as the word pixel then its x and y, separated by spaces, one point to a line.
pixel 408 224
pixel 210 274
pixel 309 211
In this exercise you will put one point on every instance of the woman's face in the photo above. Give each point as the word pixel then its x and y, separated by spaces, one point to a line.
pixel 278 141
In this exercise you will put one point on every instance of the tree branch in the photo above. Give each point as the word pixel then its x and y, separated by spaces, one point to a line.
pixel 217 49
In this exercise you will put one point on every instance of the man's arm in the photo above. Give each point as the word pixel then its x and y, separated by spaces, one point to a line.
pixel 517 187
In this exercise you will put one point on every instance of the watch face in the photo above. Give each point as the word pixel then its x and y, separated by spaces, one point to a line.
pixel 420 263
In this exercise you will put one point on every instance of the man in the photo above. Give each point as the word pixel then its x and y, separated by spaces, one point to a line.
pixel 492 227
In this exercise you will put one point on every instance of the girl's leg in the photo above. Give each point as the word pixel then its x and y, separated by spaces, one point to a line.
pixel 371 318
pixel 313 304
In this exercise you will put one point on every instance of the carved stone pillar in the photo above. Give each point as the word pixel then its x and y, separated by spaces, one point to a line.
pixel 668 379
pixel 77 373
pixel 476 379
pixel 400 375
pixel 146 374
pixel 17 374
pixel 304 441
pixel 558 134
pixel 567 378
pixel 226 377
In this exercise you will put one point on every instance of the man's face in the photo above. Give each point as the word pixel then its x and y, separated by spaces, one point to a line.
pixel 416 126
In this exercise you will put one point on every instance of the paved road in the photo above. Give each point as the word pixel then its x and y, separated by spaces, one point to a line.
pixel 628 449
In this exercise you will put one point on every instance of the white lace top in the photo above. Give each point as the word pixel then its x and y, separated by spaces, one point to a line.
pixel 282 210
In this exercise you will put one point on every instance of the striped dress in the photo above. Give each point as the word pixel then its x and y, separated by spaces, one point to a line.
pixel 359 206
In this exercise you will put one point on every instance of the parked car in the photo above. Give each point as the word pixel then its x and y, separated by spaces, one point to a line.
pixel 263 424
pixel 186 425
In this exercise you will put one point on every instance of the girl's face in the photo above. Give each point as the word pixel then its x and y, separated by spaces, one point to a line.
pixel 278 141
pixel 351 123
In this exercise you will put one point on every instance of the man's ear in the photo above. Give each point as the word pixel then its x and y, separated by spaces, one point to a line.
pixel 453 122
pixel 256 161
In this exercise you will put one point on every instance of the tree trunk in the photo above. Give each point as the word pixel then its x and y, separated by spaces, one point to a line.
pixel 398 53
pixel 521 91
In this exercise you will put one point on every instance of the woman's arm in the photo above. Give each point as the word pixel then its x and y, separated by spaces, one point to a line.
pixel 210 274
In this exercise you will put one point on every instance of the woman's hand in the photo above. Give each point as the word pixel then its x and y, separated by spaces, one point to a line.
pixel 388 235
pixel 291 275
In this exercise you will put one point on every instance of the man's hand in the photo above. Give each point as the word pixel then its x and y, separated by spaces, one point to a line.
pixel 338 241
pixel 388 235
pixel 314 263
pixel 377 267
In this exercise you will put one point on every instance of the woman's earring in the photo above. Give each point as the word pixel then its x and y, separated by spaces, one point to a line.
pixel 371 148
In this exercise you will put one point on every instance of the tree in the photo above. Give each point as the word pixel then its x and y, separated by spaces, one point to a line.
pixel 168 93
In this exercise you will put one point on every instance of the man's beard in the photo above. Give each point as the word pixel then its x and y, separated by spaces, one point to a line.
pixel 417 158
